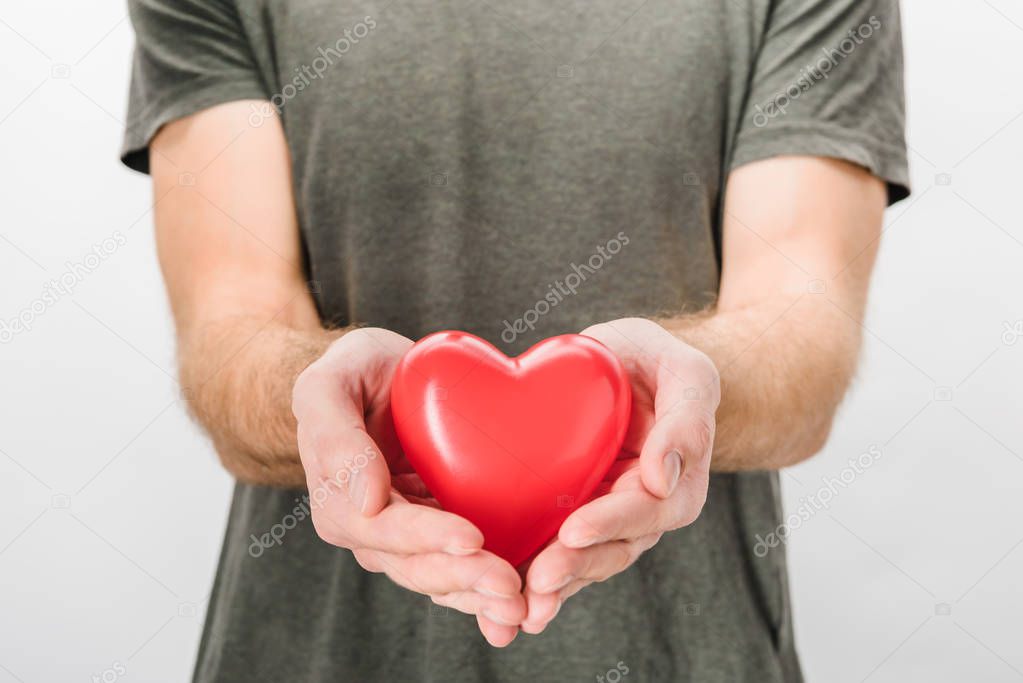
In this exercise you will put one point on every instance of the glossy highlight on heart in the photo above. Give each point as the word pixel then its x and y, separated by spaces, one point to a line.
pixel 514 445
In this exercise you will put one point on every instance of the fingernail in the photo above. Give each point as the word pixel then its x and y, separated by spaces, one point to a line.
pixel 672 469
pixel 536 628
pixel 491 593
pixel 531 628
pixel 565 580
pixel 539 626
pixel 357 490
pixel 496 619
pixel 460 550
pixel 582 539
pixel 557 608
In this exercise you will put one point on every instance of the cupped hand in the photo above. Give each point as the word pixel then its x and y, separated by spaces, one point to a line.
pixel 365 497
pixel 658 484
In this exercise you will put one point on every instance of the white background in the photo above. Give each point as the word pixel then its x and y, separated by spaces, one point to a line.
pixel 112 504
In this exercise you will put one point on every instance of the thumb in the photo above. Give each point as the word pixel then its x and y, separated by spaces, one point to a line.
pixel 681 439
pixel 337 452
pixel 360 467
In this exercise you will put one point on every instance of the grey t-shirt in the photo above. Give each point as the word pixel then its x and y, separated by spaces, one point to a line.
pixel 456 164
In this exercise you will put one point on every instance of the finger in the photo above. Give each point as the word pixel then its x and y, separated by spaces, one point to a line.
pixel 335 449
pixel 438 573
pixel 405 529
pixel 541 608
pixel 679 444
pixel 498 635
pixel 573 588
pixel 410 484
pixel 680 388
pixel 339 456
pixel 467 602
pixel 500 611
pixel 629 513
pixel 559 565
pixel 683 432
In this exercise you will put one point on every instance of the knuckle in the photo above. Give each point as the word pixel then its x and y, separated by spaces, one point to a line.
pixel 675 514
pixel 303 390
pixel 658 522
pixel 621 558
pixel 687 509
pixel 330 533
pixel 455 601
pixel 700 433
pixel 691 514
pixel 414 581
pixel 367 560
pixel 647 542
pixel 624 558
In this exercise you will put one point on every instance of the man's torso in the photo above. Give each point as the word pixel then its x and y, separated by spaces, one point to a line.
pixel 456 165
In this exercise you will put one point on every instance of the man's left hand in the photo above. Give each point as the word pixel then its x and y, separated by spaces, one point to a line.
pixel 660 480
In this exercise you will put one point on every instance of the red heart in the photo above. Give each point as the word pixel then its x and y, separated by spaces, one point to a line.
pixel 514 445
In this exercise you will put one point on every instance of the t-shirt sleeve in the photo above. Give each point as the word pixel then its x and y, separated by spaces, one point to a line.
pixel 189 55
pixel 828 81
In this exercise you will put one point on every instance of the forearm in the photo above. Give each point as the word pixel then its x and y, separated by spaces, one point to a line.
pixel 785 364
pixel 238 374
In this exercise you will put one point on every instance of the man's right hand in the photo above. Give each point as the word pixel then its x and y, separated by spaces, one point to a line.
pixel 231 256
pixel 366 498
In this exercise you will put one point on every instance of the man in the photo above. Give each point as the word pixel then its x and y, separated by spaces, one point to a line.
pixel 335 180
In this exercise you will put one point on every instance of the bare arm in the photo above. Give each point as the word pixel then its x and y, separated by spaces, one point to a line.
pixel 229 249
pixel 287 402
pixel 752 384
pixel 800 238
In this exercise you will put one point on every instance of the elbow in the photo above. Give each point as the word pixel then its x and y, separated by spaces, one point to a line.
pixel 243 460
pixel 809 443
pixel 229 451
pixel 817 431
pixel 254 469
pixel 241 466
pixel 235 455
pixel 837 375
pixel 203 405
pixel 816 438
